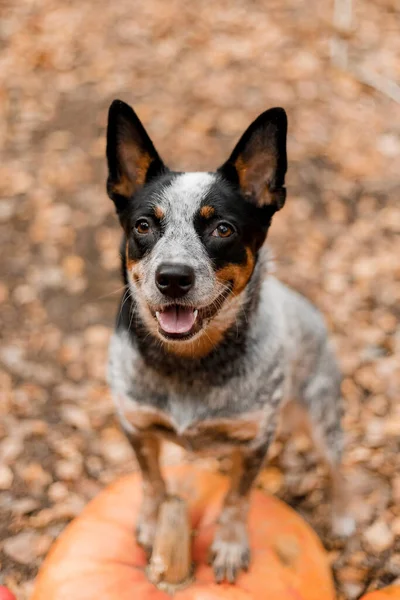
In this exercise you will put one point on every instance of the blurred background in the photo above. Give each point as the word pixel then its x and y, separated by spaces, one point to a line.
pixel 197 74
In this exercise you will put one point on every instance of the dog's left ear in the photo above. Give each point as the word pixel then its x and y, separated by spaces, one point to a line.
pixel 258 162
pixel 131 156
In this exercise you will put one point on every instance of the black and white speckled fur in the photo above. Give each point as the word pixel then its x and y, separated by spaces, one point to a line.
pixel 227 400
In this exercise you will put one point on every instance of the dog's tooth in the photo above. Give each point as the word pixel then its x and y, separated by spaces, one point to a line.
pixel 157 315
pixel 195 312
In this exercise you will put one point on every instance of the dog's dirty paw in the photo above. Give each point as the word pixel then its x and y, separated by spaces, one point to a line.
pixel 146 530
pixel 147 521
pixel 230 553
pixel 146 524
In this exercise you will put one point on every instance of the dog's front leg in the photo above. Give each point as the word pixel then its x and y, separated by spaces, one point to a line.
pixel 147 448
pixel 230 551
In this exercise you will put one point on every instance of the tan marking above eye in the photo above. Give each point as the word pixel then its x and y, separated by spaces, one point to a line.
pixel 159 212
pixel 207 212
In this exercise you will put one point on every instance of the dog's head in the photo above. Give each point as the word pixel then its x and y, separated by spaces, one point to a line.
pixel 192 239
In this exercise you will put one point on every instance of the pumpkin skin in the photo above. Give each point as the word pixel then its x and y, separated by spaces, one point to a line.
pixel 5 594
pixel 389 593
pixel 97 556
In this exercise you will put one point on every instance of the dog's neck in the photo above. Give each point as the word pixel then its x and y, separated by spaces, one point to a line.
pixel 223 360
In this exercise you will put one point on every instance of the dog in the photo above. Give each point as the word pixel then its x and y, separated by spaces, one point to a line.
pixel 208 347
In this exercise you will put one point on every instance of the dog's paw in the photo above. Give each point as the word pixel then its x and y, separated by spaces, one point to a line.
pixel 343 525
pixel 230 553
pixel 146 524
pixel 146 529
pixel 147 521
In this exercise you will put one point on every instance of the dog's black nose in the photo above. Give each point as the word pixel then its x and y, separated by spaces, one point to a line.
pixel 174 280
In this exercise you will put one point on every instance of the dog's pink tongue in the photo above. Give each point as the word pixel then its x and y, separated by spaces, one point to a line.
pixel 177 319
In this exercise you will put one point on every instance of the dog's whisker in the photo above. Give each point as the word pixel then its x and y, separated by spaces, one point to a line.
pixel 111 293
pixel 125 297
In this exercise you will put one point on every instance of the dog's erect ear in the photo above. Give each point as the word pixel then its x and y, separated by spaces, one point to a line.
pixel 258 163
pixel 132 158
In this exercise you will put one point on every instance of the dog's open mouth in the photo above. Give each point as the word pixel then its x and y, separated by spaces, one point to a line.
pixel 176 320
pixel 182 322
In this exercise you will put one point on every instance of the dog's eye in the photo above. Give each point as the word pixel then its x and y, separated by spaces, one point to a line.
pixel 223 230
pixel 142 226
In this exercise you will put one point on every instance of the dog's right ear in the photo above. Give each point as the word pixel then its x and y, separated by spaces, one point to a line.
pixel 131 156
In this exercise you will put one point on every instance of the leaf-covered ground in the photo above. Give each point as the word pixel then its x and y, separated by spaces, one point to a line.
pixel 197 74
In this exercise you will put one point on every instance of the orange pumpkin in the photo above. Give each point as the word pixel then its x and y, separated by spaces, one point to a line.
pixel 5 594
pixel 97 557
pixel 389 593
